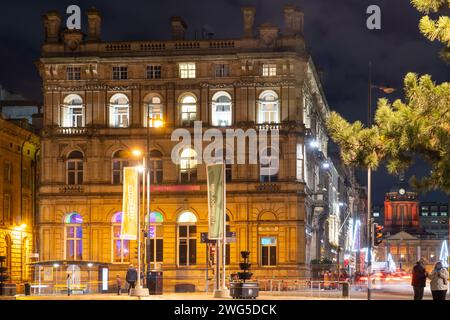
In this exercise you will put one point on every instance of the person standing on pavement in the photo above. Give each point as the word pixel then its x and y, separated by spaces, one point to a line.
pixel 439 281
pixel 131 277
pixel 419 279
pixel 119 285
pixel 68 280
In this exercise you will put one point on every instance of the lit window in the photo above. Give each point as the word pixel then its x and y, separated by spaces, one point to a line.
pixel 73 73
pixel 72 112
pixel 155 232
pixel 188 166
pixel 221 109
pixel 222 70
pixel 268 251
pixel 156 167
pixel 121 247
pixel 154 114
pixel 268 108
pixel 268 166
pixel 187 239
pixel 119 111
pixel 300 159
pixel 119 161
pixel 188 110
pixel 228 160
pixel 74 237
pixel 153 72
pixel 187 70
pixel 74 168
pixel 120 73
pixel 269 70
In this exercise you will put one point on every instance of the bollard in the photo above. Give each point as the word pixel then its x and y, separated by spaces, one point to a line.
pixel 345 289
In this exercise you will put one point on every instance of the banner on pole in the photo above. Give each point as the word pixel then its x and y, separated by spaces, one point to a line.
pixel 128 230
pixel 216 198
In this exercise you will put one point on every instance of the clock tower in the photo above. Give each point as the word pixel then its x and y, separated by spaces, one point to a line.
pixel 401 209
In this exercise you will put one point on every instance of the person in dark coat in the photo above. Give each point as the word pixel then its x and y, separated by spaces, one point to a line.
pixel 418 279
pixel 119 284
pixel 131 277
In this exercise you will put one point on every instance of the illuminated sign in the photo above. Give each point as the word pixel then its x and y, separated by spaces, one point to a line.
pixel 128 229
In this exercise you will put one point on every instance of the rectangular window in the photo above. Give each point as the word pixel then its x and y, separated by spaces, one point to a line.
pixel 187 245
pixel 153 72
pixel 73 73
pixel 268 251
pixel 156 171
pixel 7 208
pixel 222 70
pixel 120 73
pixel 300 175
pixel 8 172
pixel 269 70
pixel 187 70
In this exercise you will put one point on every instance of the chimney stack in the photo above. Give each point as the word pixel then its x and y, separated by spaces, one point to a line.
pixel 178 28
pixel 293 21
pixel 52 25
pixel 94 25
pixel 249 20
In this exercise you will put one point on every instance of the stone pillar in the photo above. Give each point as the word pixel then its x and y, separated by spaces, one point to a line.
pixel 94 25
pixel 178 28
pixel 249 20
pixel 52 24
pixel 289 12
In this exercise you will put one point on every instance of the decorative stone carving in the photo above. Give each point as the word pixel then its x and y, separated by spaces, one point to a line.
pixel 268 34
pixel 52 24
pixel 249 19
pixel 94 25
pixel 72 39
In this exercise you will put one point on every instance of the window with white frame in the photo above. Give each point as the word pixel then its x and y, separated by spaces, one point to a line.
pixel 73 73
pixel 156 167
pixel 221 109
pixel 119 111
pixel 222 70
pixel 119 161
pixel 268 249
pixel 72 112
pixel 120 247
pixel 188 166
pixel 188 110
pixel 154 115
pixel 300 159
pixel 155 243
pixel 187 70
pixel 307 107
pixel 74 168
pixel 120 73
pixel 225 156
pixel 269 70
pixel 269 165
pixel 154 72
pixel 187 239
pixel 73 237
pixel 268 108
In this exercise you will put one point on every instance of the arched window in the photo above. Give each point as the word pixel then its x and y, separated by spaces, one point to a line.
pixel 221 109
pixel 72 112
pixel 154 112
pixel 74 168
pixel 268 111
pixel 188 107
pixel 156 167
pixel 269 166
pixel 187 239
pixel 121 248
pixel 155 242
pixel 119 111
pixel 73 236
pixel 188 166
pixel 119 161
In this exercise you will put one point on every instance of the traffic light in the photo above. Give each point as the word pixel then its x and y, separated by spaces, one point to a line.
pixel 377 234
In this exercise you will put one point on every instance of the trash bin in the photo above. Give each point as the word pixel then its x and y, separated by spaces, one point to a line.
pixel 345 289
pixel 155 282
pixel 27 289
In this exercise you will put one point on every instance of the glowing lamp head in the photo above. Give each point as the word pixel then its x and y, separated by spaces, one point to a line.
pixel 314 144
pixel 140 169
pixel 326 165
pixel 55 265
pixel 23 226
pixel 136 152
pixel 90 265
pixel 158 123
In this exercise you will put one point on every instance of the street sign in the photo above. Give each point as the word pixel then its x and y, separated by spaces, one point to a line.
pixel 204 238
pixel 231 237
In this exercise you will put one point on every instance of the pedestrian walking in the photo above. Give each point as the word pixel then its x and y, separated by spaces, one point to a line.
pixel 131 277
pixel 419 279
pixel 439 281
pixel 119 285
pixel 68 280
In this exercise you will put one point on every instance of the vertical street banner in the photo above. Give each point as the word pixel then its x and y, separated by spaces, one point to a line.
pixel 216 200
pixel 128 230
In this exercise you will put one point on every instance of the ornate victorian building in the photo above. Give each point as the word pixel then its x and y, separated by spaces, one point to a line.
pixel 103 99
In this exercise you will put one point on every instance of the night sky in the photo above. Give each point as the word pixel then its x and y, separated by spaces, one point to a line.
pixel 335 32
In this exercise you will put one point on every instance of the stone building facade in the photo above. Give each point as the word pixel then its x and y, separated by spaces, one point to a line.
pixel 19 149
pixel 104 99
